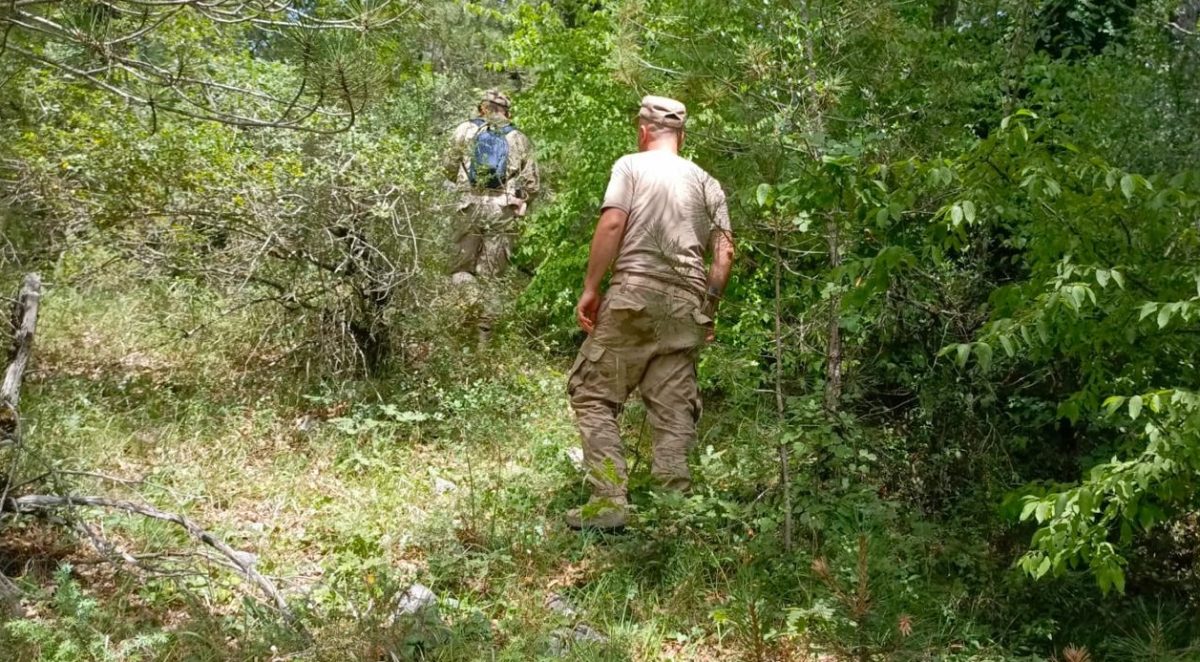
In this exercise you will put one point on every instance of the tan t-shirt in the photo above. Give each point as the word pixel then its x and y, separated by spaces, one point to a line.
pixel 674 206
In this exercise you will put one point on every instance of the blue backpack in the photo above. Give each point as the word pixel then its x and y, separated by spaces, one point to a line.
pixel 489 165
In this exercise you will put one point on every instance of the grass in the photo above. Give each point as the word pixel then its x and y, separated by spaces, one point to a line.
pixel 451 471
pixel 454 475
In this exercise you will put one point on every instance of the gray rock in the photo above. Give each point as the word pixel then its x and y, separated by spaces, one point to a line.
pixel 443 486
pixel 306 423
pixel 560 605
pixel 575 455
pixel 563 639
pixel 417 599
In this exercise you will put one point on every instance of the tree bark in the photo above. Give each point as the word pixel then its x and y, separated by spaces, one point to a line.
pixel 945 13
pixel 780 411
pixel 833 349
pixel 25 316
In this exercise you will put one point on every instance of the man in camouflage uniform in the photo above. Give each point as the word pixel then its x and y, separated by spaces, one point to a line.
pixel 662 218
pixel 486 222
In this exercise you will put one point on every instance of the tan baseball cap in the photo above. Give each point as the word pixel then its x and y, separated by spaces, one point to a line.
pixel 497 97
pixel 663 111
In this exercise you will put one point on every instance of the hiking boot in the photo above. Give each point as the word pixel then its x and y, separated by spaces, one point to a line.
pixel 600 513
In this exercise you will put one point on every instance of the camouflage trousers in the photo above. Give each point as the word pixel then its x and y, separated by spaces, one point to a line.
pixel 647 337
pixel 483 237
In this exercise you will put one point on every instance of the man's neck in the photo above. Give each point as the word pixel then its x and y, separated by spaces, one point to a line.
pixel 669 146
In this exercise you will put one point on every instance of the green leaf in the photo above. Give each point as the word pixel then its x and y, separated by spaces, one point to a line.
pixel 1128 186
pixel 1119 278
pixel 964 351
pixel 1085 501
pixel 1042 568
pixel 1027 511
pixel 1007 343
pixel 1135 407
pixel 1164 316
pixel 1043 331
pixel 1102 277
pixel 956 214
pixel 983 353
pixel 1113 403
pixel 1147 310
pixel 968 208
pixel 765 195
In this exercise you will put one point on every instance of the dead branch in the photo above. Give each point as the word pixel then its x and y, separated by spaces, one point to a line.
pixel 25 316
pixel 37 503
pixel 9 595
pixel 102 52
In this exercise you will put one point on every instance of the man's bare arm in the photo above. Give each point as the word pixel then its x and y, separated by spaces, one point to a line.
pixel 605 244
pixel 722 262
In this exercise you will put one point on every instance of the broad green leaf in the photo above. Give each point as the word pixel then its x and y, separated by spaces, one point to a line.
pixel 1085 501
pixel 968 208
pixel 1135 407
pixel 1164 315
pixel 1027 511
pixel 983 353
pixel 765 195
pixel 1043 330
pixel 1127 186
pixel 1113 403
pixel 1007 343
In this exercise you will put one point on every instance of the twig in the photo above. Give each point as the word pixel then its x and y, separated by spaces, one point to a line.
pixel 41 502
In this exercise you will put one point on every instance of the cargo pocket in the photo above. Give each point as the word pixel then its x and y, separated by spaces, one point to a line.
pixel 704 324
pixel 623 322
pixel 589 355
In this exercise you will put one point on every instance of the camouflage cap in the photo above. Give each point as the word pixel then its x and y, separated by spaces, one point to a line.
pixel 663 111
pixel 496 97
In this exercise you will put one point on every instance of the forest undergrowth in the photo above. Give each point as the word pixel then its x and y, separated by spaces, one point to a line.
pixel 951 412
pixel 453 475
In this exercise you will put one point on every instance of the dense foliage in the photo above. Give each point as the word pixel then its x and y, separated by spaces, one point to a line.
pixel 953 410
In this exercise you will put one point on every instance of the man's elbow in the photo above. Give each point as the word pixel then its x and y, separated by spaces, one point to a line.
pixel 725 253
pixel 612 221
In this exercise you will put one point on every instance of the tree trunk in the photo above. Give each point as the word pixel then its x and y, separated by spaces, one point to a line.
pixel 833 350
pixel 780 411
pixel 945 13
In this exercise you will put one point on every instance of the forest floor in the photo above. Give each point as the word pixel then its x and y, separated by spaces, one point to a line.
pixel 454 475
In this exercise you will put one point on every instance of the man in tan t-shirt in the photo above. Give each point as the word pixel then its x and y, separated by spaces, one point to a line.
pixel 662 217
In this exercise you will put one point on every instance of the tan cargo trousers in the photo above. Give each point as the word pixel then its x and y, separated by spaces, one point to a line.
pixel 483 238
pixel 647 336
